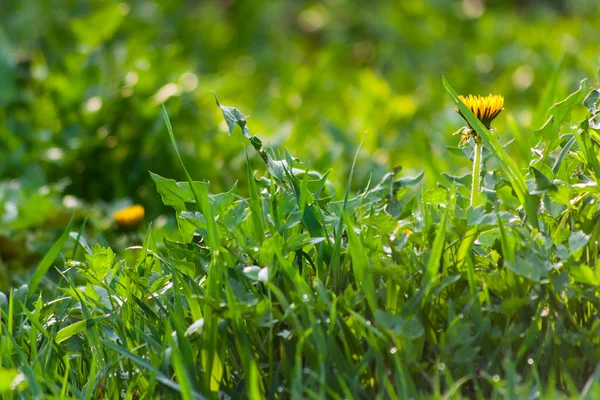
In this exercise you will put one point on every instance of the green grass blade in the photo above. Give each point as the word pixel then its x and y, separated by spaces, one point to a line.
pixel 437 249
pixel 180 369
pixel 49 258
pixel 548 95
pixel 176 148
pixel 255 208
pixel 335 258
pixel 75 328
pixel 140 362
pixel 360 265
pixel 184 354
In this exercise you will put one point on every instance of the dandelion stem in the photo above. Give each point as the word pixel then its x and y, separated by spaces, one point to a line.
pixel 476 172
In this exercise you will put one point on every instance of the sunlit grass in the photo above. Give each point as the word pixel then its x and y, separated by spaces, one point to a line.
pixel 399 291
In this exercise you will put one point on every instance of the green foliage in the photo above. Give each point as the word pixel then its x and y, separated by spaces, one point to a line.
pixel 289 293
pixel 264 281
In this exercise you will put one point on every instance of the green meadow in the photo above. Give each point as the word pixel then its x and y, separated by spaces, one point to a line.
pixel 299 199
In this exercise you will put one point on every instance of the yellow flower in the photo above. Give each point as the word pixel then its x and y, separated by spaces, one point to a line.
pixel 130 217
pixel 485 108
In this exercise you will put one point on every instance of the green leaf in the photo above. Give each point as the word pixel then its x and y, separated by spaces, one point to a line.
pixel 594 121
pixel 560 112
pixel 179 196
pixel 233 117
pixel 460 181
pixel 591 100
pixel 436 197
pixel 257 273
pixel 530 266
pixel 547 130
pixel 77 327
pixel 405 182
pixel 584 274
pixel 577 241
pixel 541 183
pixel 101 260
pixel 408 328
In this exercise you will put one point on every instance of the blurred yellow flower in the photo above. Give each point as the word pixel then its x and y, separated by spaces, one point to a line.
pixel 485 108
pixel 130 217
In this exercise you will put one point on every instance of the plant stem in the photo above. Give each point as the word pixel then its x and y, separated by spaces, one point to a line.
pixel 476 172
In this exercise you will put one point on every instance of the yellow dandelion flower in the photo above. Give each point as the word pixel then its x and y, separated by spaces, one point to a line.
pixel 130 217
pixel 485 108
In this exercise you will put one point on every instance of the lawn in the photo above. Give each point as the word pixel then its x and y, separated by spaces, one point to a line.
pixel 338 219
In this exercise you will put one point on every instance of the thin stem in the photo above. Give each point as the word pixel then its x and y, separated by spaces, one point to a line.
pixel 476 172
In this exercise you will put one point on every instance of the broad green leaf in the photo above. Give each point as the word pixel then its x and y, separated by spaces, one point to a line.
pixel 409 328
pixel 530 266
pixel 233 117
pixel 179 196
pixel 459 181
pixel 101 260
pixel 77 327
pixel 560 112
pixel 404 182
pixel 540 184
pixel 548 94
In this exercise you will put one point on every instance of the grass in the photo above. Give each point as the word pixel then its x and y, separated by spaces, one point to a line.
pixel 402 291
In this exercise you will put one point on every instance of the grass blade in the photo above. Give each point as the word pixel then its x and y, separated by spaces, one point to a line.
pixel 437 249
pixel 255 208
pixel 360 265
pixel 49 258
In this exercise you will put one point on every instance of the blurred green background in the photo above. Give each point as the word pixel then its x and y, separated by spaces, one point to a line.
pixel 81 83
